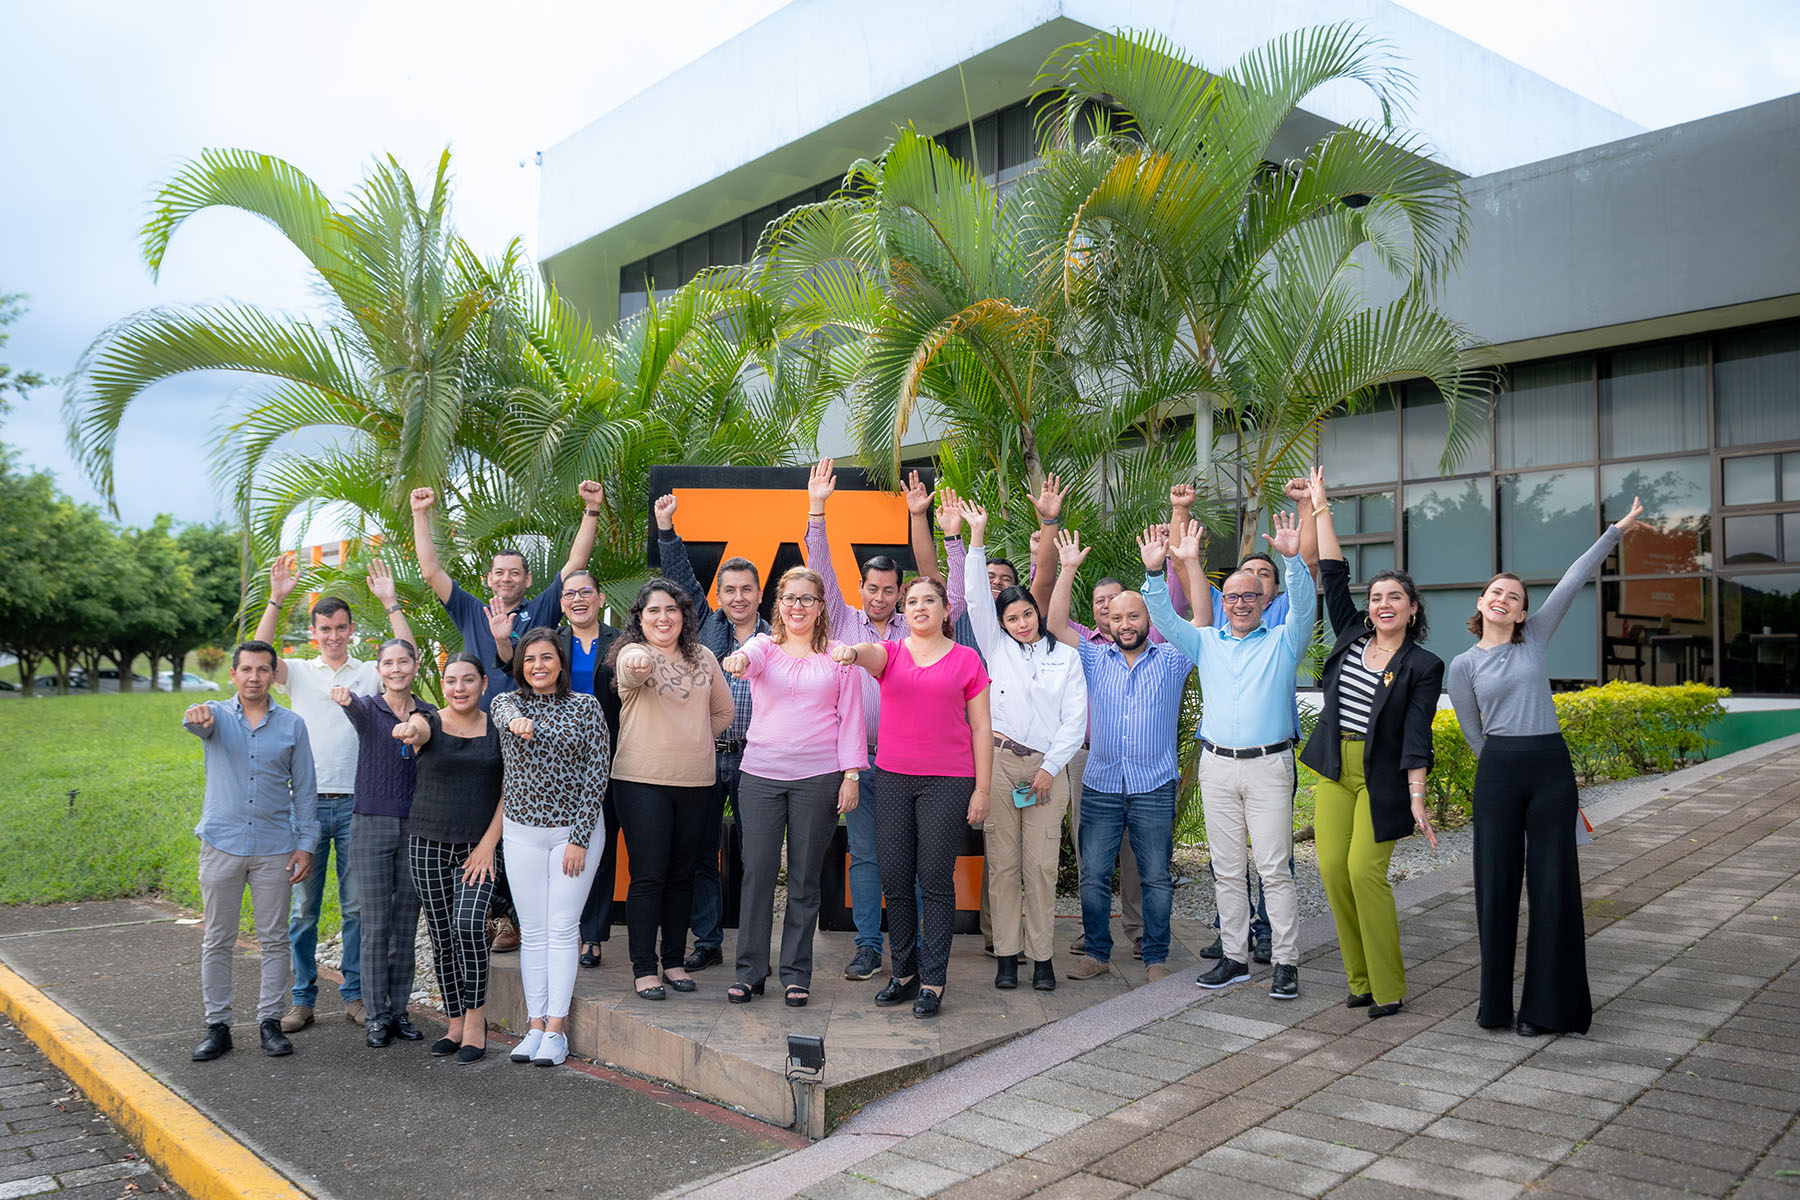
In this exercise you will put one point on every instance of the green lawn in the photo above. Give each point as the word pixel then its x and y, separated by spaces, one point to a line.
pixel 129 829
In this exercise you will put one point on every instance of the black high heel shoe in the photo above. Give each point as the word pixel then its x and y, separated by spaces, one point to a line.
pixel 897 992
pixel 740 992
pixel 796 996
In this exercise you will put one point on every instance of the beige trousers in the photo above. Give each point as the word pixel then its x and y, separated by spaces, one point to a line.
pixel 1131 892
pixel 1252 797
pixel 1022 849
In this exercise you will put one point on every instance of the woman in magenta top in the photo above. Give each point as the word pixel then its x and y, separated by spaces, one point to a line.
pixel 932 783
pixel 802 754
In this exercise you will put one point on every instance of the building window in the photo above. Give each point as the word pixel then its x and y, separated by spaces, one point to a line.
pixel 1427 427
pixel 1674 536
pixel 1653 400
pixel 1449 526
pixel 1759 618
pixel 1657 631
pixel 1756 379
pixel 1546 520
pixel 1358 448
pixel 1546 414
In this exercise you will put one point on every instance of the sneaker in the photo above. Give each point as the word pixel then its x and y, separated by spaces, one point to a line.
pixel 528 1045
pixel 1228 972
pixel 1216 950
pixel 296 1018
pixel 355 1013
pixel 1261 951
pixel 865 964
pixel 551 1051
pixel 1286 985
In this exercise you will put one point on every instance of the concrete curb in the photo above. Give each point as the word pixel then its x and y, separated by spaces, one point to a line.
pixel 193 1152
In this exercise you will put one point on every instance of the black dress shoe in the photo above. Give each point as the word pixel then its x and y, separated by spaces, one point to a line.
pixel 927 1004
pixel 469 1054
pixel 275 1043
pixel 703 957
pixel 216 1042
pixel 1260 952
pixel 1216 950
pixel 1527 1029
pixel 1378 1011
pixel 1006 973
pixel 444 1047
pixel 1359 1000
pixel 1043 976
pixel 403 1029
pixel 897 992
pixel 378 1033
pixel 683 985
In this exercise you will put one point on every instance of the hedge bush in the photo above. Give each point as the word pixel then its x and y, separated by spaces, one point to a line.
pixel 1614 731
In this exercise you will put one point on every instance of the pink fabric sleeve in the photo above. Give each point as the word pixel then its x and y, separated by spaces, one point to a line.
pixel 853 736
pixel 756 650
pixel 978 680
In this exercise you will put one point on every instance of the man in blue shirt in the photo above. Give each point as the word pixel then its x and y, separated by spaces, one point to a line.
pixel 1128 786
pixel 258 828
pixel 1246 744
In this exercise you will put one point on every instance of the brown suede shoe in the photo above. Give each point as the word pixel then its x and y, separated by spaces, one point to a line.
pixel 505 936
pixel 296 1018
pixel 1087 967
pixel 1157 971
pixel 355 1013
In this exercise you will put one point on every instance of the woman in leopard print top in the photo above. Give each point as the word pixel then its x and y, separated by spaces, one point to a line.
pixel 673 703
pixel 554 745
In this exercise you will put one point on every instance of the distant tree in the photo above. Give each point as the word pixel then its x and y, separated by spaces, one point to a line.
pixel 17 383
pixel 156 585
pixel 210 555
pixel 93 570
pixel 30 579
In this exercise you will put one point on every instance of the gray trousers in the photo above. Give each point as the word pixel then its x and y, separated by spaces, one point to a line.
pixel 223 878
pixel 390 913
pixel 807 810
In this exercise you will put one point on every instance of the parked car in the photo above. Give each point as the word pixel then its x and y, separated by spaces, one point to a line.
pixel 47 683
pixel 109 680
pixel 190 682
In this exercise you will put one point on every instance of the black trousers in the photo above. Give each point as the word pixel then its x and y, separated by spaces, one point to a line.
pixel 390 913
pixel 596 914
pixel 456 918
pixel 1525 812
pixel 662 827
pixel 919 823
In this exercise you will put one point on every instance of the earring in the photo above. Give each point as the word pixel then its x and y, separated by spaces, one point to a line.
pixel 1368 623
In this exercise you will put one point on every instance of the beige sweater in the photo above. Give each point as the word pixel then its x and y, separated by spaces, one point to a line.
pixel 668 721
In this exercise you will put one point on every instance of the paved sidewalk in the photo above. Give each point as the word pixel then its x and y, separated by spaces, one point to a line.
pixel 52 1142
pixel 1688 1083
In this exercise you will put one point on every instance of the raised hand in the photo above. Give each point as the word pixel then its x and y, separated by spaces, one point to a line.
pixel 1625 522
pixel 636 664
pixel 820 484
pixel 1315 488
pixel 423 499
pixel 1049 500
pixel 381 581
pixel 591 493
pixel 500 622
pixel 1297 490
pixel 1181 496
pixel 1286 541
pixel 284 573
pixel 1185 543
pixel 1037 536
pixel 520 727
pixel 951 511
pixel 408 733
pixel 1153 547
pixel 340 696
pixel 918 496
pixel 843 652
pixel 664 508
pixel 978 521
pixel 1069 550
pixel 199 714
pixel 735 664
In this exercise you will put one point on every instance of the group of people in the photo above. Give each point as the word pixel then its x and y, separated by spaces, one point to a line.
pixel 900 712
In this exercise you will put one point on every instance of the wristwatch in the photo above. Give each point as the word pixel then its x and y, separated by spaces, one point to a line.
pixel 853 776
pixel 395 607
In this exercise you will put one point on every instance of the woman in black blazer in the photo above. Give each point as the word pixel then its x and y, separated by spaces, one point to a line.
pixel 1372 751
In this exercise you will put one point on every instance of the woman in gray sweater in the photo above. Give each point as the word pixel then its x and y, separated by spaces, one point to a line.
pixel 1525 797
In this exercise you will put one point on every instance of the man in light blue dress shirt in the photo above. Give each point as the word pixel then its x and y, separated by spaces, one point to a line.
pixel 258 828
pixel 1247 675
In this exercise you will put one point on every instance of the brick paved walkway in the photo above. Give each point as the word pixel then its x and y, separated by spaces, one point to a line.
pixel 52 1142
pixel 1688 1083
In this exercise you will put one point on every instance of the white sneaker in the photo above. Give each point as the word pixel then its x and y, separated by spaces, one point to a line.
pixel 551 1051
pixel 528 1045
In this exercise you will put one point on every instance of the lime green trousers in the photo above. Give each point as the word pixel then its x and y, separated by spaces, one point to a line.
pixel 1354 867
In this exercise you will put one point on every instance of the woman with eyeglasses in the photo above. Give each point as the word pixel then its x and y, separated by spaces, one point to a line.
pixel 802 756
pixel 1526 802
pixel 1039 707
pixel 673 702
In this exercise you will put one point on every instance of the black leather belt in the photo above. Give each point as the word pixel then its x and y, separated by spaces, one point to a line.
pixel 1354 737
pixel 727 747
pixel 1246 751
pixel 336 795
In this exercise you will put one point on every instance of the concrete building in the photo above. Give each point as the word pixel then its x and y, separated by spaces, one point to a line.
pixel 1640 287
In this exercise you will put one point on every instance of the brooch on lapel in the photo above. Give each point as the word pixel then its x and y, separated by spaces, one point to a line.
pixel 1387 679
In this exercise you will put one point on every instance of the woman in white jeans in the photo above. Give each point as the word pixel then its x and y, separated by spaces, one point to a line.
pixel 557 753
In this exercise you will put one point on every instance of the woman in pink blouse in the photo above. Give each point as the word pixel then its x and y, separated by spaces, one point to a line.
pixel 802 754
pixel 931 783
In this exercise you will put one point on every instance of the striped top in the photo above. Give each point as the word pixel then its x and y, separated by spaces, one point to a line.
pixel 1134 713
pixel 1356 690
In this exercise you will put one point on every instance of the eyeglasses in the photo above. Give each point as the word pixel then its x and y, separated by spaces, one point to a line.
pixel 1241 597
pixel 801 601
pixel 579 593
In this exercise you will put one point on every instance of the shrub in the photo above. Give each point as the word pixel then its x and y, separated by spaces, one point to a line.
pixel 209 659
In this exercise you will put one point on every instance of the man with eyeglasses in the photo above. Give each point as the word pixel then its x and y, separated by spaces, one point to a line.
pixel 722 630
pixel 1246 742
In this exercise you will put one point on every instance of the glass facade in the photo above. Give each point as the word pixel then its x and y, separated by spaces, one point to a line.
pixel 1705 430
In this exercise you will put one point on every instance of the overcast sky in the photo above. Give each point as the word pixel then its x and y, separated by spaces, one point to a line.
pixel 102 101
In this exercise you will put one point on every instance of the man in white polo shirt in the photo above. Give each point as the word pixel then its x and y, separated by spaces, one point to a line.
pixel 308 683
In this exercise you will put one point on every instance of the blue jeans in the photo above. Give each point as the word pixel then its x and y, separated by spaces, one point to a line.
pixel 708 916
pixel 865 879
pixel 1106 818
pixel 309 895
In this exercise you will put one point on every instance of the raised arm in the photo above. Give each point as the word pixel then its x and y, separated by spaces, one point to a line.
pixel 634 668
pixel 674 555
pixel 198 720
pixel 500 625
pixel 918 528
pixel 1069 556
pixel 1177 632
pixel 951 512
pixel 425 546
pixel 284 573
pixel 1303 596
pixel 1340 609
pixel 1300 492
pixel 977 600
pixel 1187 546
pixel 582 548
pixel 1049 504
pixel 381 586
pixel 1541 624
pixel 819 487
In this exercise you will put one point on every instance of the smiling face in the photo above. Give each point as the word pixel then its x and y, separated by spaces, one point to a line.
pixel 1021 621
pixel 880 592
pixel 582 601
pixel 463 685
pixel 1130 621
pixel 739 594
pixel 1502 604
pixel 1103 598
pixel 508 578
pixel 1390 607
pixel 1000 577
pixel 661 620
pixel 541 666
pixel 332 631
pixel 1264 572
pixel 397 667
pixel 1244 601
pixel 801 602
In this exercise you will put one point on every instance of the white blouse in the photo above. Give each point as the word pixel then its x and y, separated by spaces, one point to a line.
pixel 1039 696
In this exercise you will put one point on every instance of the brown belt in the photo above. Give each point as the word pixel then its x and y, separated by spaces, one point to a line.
pixel 1002 742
